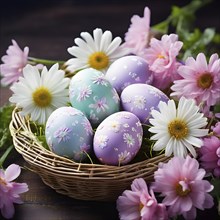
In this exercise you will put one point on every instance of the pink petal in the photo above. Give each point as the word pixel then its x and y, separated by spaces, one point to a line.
pixel 12 172
pixel 191 214
pixel 8 208
pixel 186 203
pixel 139 185
pixel 18 188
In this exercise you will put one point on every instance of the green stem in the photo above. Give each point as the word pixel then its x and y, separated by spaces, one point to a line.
pixel 34 60
pixel 4 156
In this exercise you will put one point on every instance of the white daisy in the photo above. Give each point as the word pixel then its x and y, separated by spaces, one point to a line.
pixel 178 129
pixel 39 94
pixel 98 52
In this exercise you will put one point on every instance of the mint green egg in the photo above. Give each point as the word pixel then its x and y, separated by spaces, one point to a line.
pixel 93 94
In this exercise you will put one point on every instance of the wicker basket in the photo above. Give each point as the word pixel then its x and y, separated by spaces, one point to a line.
pixel 92 182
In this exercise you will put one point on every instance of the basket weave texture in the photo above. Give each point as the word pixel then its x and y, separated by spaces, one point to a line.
pixel 92 182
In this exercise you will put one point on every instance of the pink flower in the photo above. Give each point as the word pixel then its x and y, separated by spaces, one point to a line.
pixel 216 129
pixel 210 155
pixel 137 203
pixel 138 36
pixel 200 81
pixel 9 191
pixel 14 62
pixel 181 182
pixel 161 57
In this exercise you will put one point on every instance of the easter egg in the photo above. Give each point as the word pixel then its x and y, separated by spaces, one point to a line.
pixel 69 133
pixel 140 99
pixel 92 93
pixel 128 70
pixel 118 138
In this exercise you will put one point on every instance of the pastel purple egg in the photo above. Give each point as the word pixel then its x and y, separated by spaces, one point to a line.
pixel 118 138
pixel 140 99
pixel 69 133
pixel 128 70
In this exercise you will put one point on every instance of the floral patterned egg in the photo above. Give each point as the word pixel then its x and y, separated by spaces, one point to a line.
pixel 128 70
pixel 140 99
pixel 93 94
pixel 69 133
pixel 118 138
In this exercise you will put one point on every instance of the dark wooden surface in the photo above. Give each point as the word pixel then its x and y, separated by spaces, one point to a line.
pixel 48 28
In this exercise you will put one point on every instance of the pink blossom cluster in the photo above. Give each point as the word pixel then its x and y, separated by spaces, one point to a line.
pixel 210 152
pixel 180 182
pixel 193 78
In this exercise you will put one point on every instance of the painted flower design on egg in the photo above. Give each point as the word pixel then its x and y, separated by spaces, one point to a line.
pixel 75 123
pixel 85 147
pixel 84 93
pixel 87 126
pixel 99 105
pixel 128 139
pixel 156 93
pixel 139 101
pixel 101 141
pixel 63 134
pixel 114 125
pixel 93 117
pixel 99 80
pixel 124 157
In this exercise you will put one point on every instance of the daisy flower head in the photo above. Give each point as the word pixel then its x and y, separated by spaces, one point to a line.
pixel 178 129
pixel 13 63
pixel 138 36
pixel 200 80
pixel 181 183
pixel 161 58
pixel 9 191
pixel 138 203
pixel 39 94
pixel 97 51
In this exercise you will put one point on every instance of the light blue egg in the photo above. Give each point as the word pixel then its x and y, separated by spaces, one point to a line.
pixel 94 95
pixel 69 133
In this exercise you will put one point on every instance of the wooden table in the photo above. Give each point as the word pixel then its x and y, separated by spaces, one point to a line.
pixel 48 28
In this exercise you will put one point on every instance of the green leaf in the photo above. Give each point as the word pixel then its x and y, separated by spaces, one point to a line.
pixel 198 42
pixel 216 191
pixel 162 27
pixel 6 116
pixel 5 155
pixel 6 139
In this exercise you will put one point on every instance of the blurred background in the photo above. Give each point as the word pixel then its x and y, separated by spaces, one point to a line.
pixel 48 27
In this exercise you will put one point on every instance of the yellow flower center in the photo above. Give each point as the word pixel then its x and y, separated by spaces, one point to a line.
pixel 205 80
pixel 2 182
pixel 141 206
pixel 98 60
pixel 160 56
pixel 42 97
pixel 178 129
pixel 181 192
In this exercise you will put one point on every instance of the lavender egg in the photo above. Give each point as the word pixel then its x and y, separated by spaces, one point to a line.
pixel 118 138
pixel 128 70
pixel 69 133
pixel 140 99
pixel 92 93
